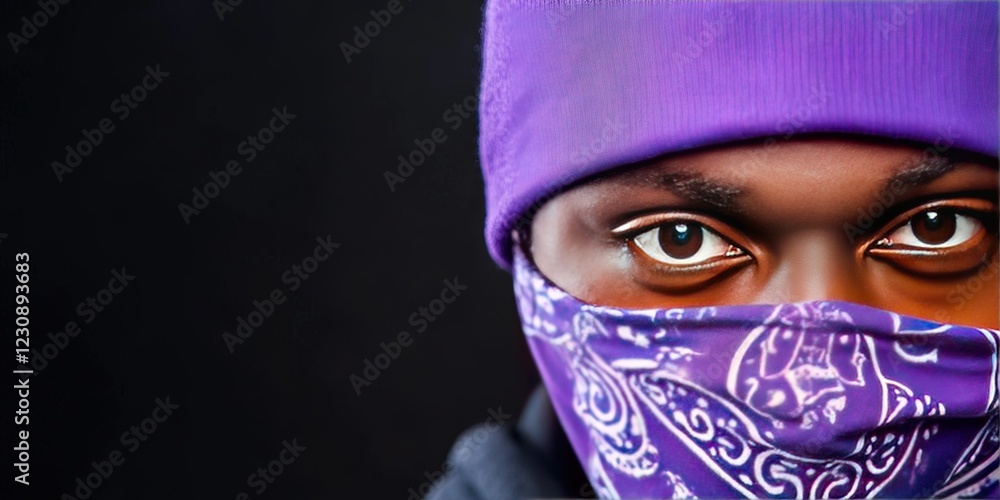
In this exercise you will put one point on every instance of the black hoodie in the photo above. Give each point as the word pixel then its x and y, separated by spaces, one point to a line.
pixel 530 460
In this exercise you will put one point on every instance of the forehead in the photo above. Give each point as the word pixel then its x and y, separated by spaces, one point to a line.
pixel 828 173
pixel 801 179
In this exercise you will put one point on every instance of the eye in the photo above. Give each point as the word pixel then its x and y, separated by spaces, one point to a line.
pixel 945 237
pixel 684 243
pixel 934 228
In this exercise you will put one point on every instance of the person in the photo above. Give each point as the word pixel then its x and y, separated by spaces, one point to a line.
pixel 754 248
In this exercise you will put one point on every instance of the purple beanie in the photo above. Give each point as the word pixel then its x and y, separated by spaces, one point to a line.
pixel 572 88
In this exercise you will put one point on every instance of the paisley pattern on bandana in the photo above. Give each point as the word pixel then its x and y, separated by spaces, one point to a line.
pixel 804 400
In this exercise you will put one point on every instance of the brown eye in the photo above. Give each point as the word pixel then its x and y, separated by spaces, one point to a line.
pixel 944 237
pixel 684 243
pixel 681 240
pixel 934 227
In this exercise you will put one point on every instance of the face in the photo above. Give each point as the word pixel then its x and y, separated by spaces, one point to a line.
pixel 824 218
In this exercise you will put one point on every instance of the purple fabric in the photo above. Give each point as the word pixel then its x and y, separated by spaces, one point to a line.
pixel 572 88
pixel 811 399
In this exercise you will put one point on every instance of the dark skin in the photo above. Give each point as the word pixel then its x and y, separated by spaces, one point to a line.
pixel 818 218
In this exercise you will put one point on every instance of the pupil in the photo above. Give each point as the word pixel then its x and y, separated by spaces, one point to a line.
pixel 681 240
pixel 935 226
pixel 681 234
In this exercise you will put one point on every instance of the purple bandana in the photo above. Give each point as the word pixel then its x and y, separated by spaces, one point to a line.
pixel 813 399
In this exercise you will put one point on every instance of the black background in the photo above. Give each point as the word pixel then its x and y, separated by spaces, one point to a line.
pixel 323 175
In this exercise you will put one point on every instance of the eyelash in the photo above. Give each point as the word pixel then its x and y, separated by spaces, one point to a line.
pixel 637 226
pixel 982 210
pixel 640 225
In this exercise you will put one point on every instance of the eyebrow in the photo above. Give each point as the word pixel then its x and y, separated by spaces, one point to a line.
pixel 723 196
pixel 692 186
pixel 921 172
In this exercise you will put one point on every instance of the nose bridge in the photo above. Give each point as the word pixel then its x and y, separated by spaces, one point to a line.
pixel 815 265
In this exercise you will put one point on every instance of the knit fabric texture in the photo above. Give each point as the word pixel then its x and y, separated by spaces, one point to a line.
pixel 574 88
